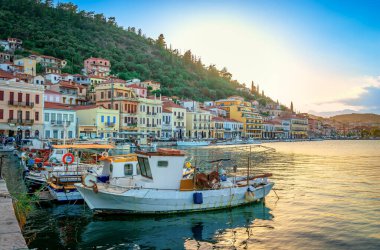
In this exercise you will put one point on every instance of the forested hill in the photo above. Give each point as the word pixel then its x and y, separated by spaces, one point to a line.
pixel 65 32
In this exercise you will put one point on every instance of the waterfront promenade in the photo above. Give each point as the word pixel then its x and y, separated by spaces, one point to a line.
pixel 10 233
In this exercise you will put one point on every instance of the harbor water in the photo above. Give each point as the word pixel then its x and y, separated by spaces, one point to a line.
pixel 329 199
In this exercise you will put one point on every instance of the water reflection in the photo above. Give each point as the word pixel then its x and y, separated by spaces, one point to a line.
pixel 170 231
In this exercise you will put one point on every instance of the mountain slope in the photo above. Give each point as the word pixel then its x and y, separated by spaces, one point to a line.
pixel 357 118
pixel 67 33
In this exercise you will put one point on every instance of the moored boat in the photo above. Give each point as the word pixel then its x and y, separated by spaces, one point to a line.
pixel 159 187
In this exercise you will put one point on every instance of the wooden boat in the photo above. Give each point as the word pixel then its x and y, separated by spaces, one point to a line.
pixel 159 187
pixel 192 143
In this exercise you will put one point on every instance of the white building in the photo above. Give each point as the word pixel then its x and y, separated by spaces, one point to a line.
pixel 167 122
pixel 232 128
pixel 59 121
pixel 53 78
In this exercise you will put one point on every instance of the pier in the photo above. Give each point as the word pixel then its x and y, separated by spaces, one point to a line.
pixel 10 233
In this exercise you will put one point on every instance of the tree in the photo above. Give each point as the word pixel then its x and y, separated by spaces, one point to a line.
pixel 139 32
pixel 161 41
pixel 39 68
pixel 291 106
pixel 187 56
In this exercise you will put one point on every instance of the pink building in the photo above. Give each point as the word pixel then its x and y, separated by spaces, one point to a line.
pixel 97 66
pixel 21 108
pixel 140 91
pixel 52 96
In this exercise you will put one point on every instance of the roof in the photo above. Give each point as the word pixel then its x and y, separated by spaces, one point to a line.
pixel 54 105
pixel 6 74
pixel 52 92
pixel 218 119
pixel 135 86
pixel 93 106
pixel 96 58
pixel 85 146
pixel 165 110
pixel 170 104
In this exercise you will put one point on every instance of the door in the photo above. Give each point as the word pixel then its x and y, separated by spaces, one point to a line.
pixel 27 99
pixel 19 115
pixel 19 98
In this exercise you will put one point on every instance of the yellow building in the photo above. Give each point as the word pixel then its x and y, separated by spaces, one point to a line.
pixel 149 117
pixel 298 127
pixel 217 125
pixel 97 121
pixel 243 111
pixel 198 124
pixel 28 64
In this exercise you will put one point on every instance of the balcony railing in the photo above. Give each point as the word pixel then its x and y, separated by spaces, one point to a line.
pixel 180 117
pixel 21 104
pixel 21 121
pixel 60 123
pixel 132 124
pixel 109 124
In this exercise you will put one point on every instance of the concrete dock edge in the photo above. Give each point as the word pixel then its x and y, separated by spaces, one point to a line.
pixel 10 232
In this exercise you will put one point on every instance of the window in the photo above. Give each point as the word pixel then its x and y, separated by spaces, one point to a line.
pixel 1 113
pixel 102 118
pixel 37 116
pixel 128 169
pixel 102 95
pixel 53 117
pixel 70 134
pixel 71 118
pixel 108 119
pixel 19 99
pixel 144 167
pixel 65 117
pixel 116 106
pixel 111 168
pixel 37 99
pixel 114 119
pixel 1 95
pixel 55 134
pixel 62 134
pixel 162 164
pixel 59 117
pixel 47 134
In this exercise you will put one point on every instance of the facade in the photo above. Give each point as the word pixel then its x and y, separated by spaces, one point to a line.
pixel 29 65
pixel 49 61
pixel 146 84
pixel 72 93
pixel 273 129
pixel 5 57
pixel 217 126
pixel 298 127
pixel 242 111
pixel 52 96
pixel 21 109
pixel 198 124
pixel 167 120
pixel 178 119
pixel 53 78
pixel 97 66
pixel 232 128
pixel 60 121
pixel 149 117
pixel 11 44
pixel 119 97
pixel 97 121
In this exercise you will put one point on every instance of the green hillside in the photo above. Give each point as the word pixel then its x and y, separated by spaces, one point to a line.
pixel 68 33
pixel 357 118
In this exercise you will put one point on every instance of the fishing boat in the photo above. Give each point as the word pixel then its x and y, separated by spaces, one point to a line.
pixel 192 143
pixel 64 167
pixel 159 187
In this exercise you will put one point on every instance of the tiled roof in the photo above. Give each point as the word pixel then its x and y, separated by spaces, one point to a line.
pixel 165 110
pixel 54 105
pixel 135 86
pixel 6 74
pixel 170 104
pixel 48 91
pixel 85 107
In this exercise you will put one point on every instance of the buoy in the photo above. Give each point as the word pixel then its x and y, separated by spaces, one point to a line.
pixel 68 158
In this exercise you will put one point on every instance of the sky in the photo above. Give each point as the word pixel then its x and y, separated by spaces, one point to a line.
pixel 322 55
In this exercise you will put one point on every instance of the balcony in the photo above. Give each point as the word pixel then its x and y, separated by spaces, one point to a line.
pixel 60 123
pixel 132 124
pixel 109 124
pixel 21 104
pixel 21 121
pixel 180 117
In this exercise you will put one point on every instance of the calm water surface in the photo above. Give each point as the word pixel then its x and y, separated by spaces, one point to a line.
pixel 329 199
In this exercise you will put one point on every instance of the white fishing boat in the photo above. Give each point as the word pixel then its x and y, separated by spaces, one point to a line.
pixel 192 143
pixel 159 187
pixel 6 148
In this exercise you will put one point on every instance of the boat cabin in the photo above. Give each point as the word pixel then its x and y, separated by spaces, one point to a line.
pixel 119 170
pixel 162 169
pixel 34 144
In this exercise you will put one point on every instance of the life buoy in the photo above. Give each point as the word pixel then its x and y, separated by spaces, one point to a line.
pixel 68 158
pixel 105 154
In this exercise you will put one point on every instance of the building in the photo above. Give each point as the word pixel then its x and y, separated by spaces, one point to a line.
pixel 232 128
pixel 178 118
pixel 198 124
pixel 217 126
pixel 11 44
pixel 53 78
pixel 29 65
pixel 52 96
pixel 167 121
pixel 140 91
pixel 149 117
pixel 5 57
pixel 97 66
pixel 84 80
pixel 295 126
pixel 273 129
pixel 190 105
pixel 60 121
pixel 21 109
pixel 97 121
pixel 119 97
pixel 244 112
pixel 149 84
pixel 72 93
